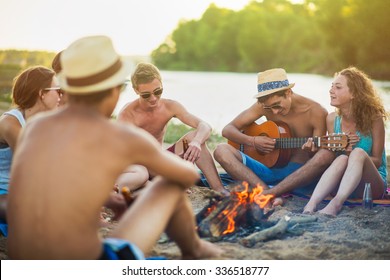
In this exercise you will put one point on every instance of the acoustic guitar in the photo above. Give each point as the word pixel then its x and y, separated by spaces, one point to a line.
pixel 280 131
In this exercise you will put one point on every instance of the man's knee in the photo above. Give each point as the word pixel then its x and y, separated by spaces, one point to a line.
pixel 221 151
pixel 323 158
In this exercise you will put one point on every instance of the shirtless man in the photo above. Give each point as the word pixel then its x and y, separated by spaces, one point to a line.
pixel 152 113
pixel 67 162
pixel 276 102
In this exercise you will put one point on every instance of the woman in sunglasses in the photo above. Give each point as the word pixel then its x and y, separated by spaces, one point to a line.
pixel 35 90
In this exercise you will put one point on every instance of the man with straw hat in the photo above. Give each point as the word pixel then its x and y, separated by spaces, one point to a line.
pixel 277 103
pixel 66 164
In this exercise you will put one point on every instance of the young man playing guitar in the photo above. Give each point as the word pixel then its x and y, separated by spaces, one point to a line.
pixel 276 102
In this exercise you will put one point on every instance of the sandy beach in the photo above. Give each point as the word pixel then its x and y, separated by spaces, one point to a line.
pixel 355 234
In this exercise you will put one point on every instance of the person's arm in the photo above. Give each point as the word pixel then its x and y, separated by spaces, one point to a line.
pixel 378 141
pixel 10 130
pixel 233 130
pixel 146 151
pixel 202 129
pixel 319 122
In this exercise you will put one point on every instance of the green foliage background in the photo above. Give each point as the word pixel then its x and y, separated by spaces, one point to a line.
pixel 176 130
pixel 318 36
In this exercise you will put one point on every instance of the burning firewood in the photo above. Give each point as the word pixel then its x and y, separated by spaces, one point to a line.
pixel 214 224
pixel 222 217
pixel 278 229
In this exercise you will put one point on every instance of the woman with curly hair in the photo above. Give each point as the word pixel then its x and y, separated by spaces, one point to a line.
pixel 359 112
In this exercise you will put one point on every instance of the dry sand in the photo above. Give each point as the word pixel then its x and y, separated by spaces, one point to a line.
pixel 355 234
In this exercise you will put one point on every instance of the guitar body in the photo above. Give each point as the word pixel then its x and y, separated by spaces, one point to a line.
pixel 275 130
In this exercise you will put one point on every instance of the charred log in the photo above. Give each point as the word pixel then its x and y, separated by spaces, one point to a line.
pixel 278 229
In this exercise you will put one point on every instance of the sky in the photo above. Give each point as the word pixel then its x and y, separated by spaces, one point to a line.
pixel 136 26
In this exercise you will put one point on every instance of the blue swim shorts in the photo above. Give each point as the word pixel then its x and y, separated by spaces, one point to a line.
pixel 120 249
pixel 270 176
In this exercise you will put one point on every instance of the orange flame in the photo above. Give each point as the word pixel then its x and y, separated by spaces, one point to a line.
pixel 259 198
pixel 245 197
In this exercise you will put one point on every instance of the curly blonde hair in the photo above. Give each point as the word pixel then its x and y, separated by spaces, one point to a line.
pixel 367 105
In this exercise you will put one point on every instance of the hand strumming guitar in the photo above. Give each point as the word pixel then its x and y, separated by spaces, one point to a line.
pixel 264 144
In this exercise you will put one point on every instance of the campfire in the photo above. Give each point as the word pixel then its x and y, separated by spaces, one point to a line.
pixel 245 207
pixel 242 216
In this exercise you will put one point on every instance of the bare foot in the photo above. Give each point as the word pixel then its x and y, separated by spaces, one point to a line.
pixel 306 211
pixel 206 250
pixel 331 209
pixel 309 209
pixel 224 192
pixel 278 201
pixel 327 212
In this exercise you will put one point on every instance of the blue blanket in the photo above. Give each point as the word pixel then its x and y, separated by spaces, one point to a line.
pixel 3 228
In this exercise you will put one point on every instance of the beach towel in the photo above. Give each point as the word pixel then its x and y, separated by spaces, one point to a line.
pixel 225 178
pixel 3 228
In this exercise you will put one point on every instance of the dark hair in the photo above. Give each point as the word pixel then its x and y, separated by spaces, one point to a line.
pixel 278 93
pixel 91 98
pixel 56 63
pixel 28 84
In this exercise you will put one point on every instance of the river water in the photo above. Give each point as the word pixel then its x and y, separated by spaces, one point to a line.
pixel 217 97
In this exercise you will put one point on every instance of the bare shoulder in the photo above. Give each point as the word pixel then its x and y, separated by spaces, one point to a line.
pixel 316 109
pixel 127 110
pixel 171 104
pixel 331 116
pixel 7 122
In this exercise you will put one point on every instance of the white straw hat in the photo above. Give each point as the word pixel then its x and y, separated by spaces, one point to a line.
pixel 271 81
pixel 90 65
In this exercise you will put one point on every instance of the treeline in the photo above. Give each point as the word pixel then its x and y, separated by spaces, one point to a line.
pixel 12 62
pixel 318 36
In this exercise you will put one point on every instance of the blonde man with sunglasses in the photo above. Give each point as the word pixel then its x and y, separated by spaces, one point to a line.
pixel 152 113
pixel 275 101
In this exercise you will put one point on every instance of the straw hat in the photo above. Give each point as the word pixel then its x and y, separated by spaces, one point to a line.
pixel 91 64
pixel 271 81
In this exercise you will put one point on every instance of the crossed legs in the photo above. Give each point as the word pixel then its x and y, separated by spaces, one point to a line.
pixel 163 205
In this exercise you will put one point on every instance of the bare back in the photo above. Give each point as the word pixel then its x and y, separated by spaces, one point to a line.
pixel 57 199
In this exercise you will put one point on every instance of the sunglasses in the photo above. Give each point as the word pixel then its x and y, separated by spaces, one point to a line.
pixel 156 92
pixel 57 89
pixel 276 107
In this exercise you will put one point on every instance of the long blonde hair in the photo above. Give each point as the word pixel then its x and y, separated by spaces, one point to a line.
pixel 367 105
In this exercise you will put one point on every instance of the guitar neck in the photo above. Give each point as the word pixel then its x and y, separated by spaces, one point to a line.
pixel 292 143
